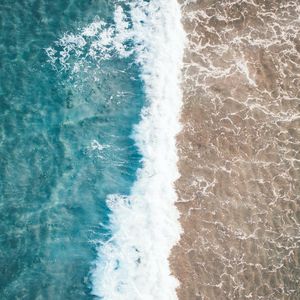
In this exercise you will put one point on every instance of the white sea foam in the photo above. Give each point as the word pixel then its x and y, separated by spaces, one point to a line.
pixel 133 264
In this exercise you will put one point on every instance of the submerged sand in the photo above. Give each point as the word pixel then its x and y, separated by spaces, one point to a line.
pixel 239 189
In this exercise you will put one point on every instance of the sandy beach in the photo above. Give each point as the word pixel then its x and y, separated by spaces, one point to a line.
pixel 239 189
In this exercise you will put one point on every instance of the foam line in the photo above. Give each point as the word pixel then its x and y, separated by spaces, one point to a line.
pixel 134 263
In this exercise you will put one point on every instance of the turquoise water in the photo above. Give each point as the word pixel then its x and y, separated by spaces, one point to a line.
pixel 64 146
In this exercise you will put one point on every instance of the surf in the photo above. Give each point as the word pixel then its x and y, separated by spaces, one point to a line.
pixel 143 225
pixel 134 264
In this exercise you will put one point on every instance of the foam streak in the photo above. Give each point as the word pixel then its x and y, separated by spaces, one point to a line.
pixel 134 263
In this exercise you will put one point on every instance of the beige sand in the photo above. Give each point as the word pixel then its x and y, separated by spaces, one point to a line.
pixel 239 151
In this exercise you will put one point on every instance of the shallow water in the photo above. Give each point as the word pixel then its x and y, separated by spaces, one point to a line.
pixel 239 152
pixel 64 146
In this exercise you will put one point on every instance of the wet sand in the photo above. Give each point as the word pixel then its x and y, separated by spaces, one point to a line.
pixel 239 190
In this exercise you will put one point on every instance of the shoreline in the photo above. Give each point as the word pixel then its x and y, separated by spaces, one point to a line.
pixel 238 158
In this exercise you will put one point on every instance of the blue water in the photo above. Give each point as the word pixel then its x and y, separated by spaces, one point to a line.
pixel 64 146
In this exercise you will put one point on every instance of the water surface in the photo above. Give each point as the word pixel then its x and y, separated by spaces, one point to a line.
pixel 64 146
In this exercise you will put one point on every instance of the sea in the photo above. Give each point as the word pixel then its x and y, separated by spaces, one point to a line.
pixel 89 105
